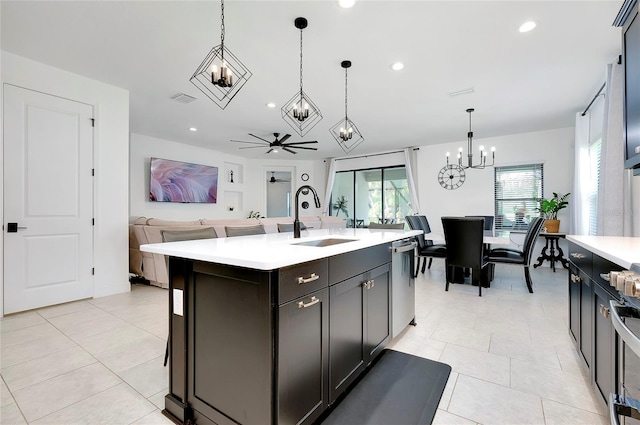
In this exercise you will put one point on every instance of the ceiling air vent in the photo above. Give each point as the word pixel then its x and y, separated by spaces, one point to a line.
pixel 183 98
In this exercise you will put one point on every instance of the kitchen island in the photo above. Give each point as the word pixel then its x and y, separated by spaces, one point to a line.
pixel 272 329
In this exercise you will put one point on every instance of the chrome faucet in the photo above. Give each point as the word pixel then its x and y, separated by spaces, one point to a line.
pixel 296 222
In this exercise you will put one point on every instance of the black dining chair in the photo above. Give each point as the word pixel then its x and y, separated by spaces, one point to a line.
pixel 465 249
pixel 426 247
pixel 520 257
pixel 488 223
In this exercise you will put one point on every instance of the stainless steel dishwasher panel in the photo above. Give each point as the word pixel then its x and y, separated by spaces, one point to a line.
pixel 403 294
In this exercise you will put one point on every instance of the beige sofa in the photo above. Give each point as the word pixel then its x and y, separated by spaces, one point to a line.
pixel 153 267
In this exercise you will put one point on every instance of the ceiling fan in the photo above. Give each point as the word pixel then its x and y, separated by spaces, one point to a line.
pixel 273 179
pixel 277 144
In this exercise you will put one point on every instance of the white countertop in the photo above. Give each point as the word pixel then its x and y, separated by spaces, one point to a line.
pixel 622 250
pixel 275 250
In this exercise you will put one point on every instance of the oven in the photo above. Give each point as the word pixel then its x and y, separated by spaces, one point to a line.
pixel 624 407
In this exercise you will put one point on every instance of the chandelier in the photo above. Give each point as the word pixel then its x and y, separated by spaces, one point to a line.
pixel 221 75
pixel 483 154
pixel 345 131
pixel 299 111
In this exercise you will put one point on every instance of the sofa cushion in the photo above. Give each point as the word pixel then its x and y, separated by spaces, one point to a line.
pixel 160 222
pixel 220 224
pixel 188 235
pixel 288 227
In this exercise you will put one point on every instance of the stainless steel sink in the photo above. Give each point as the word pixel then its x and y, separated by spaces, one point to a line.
pixel 325 242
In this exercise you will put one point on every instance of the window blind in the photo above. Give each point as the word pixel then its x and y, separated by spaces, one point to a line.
pixel 518 190
pixel 595 150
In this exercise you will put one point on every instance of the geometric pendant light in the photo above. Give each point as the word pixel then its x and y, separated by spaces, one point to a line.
pixel 221 75
pixel 300 112
pixel 345 131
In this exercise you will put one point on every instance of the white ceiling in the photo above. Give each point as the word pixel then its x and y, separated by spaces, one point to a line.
pixel 522 82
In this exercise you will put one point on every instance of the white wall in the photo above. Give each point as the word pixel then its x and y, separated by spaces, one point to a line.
pixel 247 193
pixel 111 149
pixel 553 148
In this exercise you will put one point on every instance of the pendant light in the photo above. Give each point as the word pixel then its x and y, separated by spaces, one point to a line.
pixel 345 131
pixel 300 112
pixel 483 154
pixel 221 75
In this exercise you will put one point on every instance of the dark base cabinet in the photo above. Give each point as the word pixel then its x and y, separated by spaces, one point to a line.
pixel 589 323
pixel 273 347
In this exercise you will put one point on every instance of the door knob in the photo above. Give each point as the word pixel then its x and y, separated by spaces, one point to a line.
pixel 13 227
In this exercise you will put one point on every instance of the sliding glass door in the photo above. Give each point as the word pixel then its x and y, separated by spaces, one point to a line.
pixel 379 195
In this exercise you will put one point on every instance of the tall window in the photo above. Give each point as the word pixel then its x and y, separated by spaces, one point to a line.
pixel 518 190
pixel 591 192
pixel 379 195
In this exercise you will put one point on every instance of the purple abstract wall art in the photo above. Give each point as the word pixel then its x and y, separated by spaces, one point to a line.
pixel 175 181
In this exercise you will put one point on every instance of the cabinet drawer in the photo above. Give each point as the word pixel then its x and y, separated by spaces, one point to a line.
pixel 301 279
pixel 353 263
pixel 581 257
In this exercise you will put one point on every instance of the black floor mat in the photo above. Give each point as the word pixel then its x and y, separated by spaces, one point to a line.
pixel 399 389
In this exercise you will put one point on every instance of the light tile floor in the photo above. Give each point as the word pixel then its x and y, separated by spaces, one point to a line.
pixel 99 361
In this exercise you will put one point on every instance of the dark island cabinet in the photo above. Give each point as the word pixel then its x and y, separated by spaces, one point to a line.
pixel 589 323
pixel 303 358
pixel 273 346
pixel 359 325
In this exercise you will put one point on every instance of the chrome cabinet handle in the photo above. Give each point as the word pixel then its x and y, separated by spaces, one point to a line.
pixel 605 277
pixel 302 280
pixel 578 255
pixel 313 301
pixel 575 278
pixel 369 284
pixel 604 311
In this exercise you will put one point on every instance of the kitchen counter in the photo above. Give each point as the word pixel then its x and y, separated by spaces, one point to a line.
pixel 275 250
pixel 621 250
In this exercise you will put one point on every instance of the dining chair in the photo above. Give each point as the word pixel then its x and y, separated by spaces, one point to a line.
pixel 465 249
pixel 374 225
pixel 426 247
pixel 258 229
pixel 185 235
pixel 520 257
pixel 488 223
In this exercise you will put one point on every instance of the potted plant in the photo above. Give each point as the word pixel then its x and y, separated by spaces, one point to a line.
pixel 549 209
pixel 341 205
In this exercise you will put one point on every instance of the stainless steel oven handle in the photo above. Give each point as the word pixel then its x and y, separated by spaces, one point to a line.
pixel 613 415
pixel 629 338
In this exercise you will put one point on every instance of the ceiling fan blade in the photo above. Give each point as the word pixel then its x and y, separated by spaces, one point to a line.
pixel 257 137
pixel 301 147
pixel 269 151
pixel 284 148
pixel 301 143
pixel 242 141
pixel 285 137
pixel 251 147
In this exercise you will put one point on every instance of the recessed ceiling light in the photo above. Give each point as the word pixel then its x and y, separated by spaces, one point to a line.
pixel 397 66
pixel 346 3
pixel 193 129
pixel 271 105
pixel 527 26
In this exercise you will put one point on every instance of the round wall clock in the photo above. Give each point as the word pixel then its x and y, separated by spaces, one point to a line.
pixel 451 176
pixel 304 177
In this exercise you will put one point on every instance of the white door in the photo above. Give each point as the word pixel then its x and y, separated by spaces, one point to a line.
pixel 48 196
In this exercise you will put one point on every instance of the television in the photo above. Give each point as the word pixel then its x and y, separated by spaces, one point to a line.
pixel 175 181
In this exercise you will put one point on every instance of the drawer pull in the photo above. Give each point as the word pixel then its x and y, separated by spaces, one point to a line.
pixel 605 276
pixel 369 284
pixel 302 280
pixel 578 255
pixel 313 301
pixel 575 278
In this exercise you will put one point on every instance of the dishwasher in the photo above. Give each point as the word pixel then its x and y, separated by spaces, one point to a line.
pixel 403 290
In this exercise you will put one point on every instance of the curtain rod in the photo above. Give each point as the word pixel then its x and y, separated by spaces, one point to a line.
pixel 599 91
pixel 373 154
pixel 594 99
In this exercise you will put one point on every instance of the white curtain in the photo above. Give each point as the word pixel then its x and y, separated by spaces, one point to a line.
pixel 409 161
pixel 614 193
pixel 331 175
pixel 580 210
